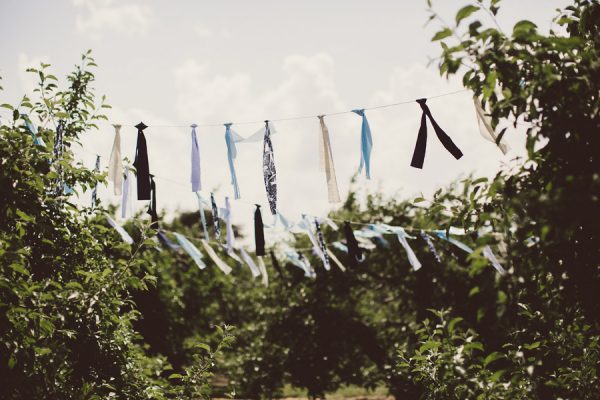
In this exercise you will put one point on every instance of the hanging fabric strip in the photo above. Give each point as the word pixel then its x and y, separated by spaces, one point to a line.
pixel 122 232
pixel 336 261
pixel 190 249
pixel 310 271
pixel 152 206
pixel 195 173
pixel 95 191
pixel 442 235
pixel 306 226
pixel 202 216
pixel 37 140
pixel 231 155
pixel 340 246
pixel 218 262
pixel 270 175
pixel 322 246
pixel 263 271
pixel 165 239
pixel 141 164
pixel 60 186
pixel 354 250
pixel 215 217
pixel 126 199
pixel 421 146
pixel 115 163
pixel 402 238
pixel 250 262
pixel 326 157
pixel 228 226
pixel 275 263
pixel 430 245
pixel 366 143
pixel 487 253
pixel 233 255
pixel 259 233
pixel 485 127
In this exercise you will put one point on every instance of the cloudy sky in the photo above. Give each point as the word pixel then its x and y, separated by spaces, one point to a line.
pixel 180 62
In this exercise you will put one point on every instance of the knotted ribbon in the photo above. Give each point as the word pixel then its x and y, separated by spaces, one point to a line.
pixel 421 146
pixel 366 143
pixel 141 164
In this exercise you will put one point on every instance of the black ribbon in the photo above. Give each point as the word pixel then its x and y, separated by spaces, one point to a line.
pixel 259 233
pixel 354 251
pixel 141 164
pixel 152 206
pixel 421 146
pixel 275 263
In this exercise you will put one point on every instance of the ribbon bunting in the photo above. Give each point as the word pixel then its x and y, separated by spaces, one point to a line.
pixel 366 143
pixel 322 246
pixel 326 162
pixel 141 165
pixel 195 173
pixel 230 139
pixel 269 172
pixel 115 163
pixel 430 245
pixel 421 146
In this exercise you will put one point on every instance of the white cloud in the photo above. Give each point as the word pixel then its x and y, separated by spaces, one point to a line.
pixel 101 16
pixel 29 80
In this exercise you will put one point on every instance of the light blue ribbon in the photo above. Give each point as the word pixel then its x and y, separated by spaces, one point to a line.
pixel 366 143
pixel 231 155
pixel 202 217
pixel 442 235
pixel 33 131
pixel 191 250
pixel 195 173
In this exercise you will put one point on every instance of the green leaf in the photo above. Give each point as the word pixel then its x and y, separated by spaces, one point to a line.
pixel 492 357
pixel 532 346
pixel 430 344
pixel 175 376
pixel 453 323
pixel 444 33
pixel 523 27
pixel 465 12
pixel 12 361
pixel 8 106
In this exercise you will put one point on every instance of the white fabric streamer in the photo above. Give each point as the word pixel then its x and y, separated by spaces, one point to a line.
pixel 195 178
pixel 485 127
pixel 115 163
pixel 191 250
pixel 412 258
pixel 487 253
pixel 263 272
pixel 218 262
pixel 126 207
pixel 256 137
pixel 326 163
pixel 336 261
pixel 124 235
pixel 226 216
pixel 250 262
pixel 306 226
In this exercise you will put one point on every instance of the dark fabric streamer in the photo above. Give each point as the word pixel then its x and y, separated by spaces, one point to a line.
pixel 354 251
pixel 215 217
pixel 421 145
pixel 152 206
pixel 322 245
pixel 141 164
pixel 269 173
pixel 259 233
pixel 275 263
pixel 58 151
pixel 165 239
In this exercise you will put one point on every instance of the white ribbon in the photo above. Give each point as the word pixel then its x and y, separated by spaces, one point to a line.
pixel 126 207
pixel 115 163
pixel 487 253
pixel 195 176
pixel 485 127
pixel 226 216
pixel 326 163
pixel 124 235
pixel 191 250
pixel 250 262
pixel 336 261
pixel 263 272
pixel 218 262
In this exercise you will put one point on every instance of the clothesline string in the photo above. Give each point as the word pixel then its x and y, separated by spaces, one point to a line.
pixel 212 125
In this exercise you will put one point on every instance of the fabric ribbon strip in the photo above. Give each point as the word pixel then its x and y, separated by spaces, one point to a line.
pixel 115 163
pixel 215 217
pixel 487 253
pixel 354 251
pixel 126 199
pixel 336 261
pixel 305 225
pixel 412 258
pixel 37 140
pixel 430 245
pixel 195 173
pixel 259 233
pixel 122 232
pixel 165 239
pixel 275 263
pixel 230 238
pixel 421 145
pixel 250 262
pixel 192 250
pixel 326 157
pixel 485 127
pixel 442 235
pixel 152 206
pixel 218 262
pixel 95 191
pixel 141 164
pixel 230 140
pixel 366 143
pixel 270 175
pixel 202 216
pixel 263 271
pixel 322 246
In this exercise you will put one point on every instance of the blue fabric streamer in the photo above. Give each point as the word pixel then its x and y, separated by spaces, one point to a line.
pixel 195 172
pixel 202 216
pixel 366 143
pixel 190 249
pixel 231 155
pixel 442 235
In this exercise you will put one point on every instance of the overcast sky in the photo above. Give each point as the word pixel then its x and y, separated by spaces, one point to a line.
pixel 180 62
